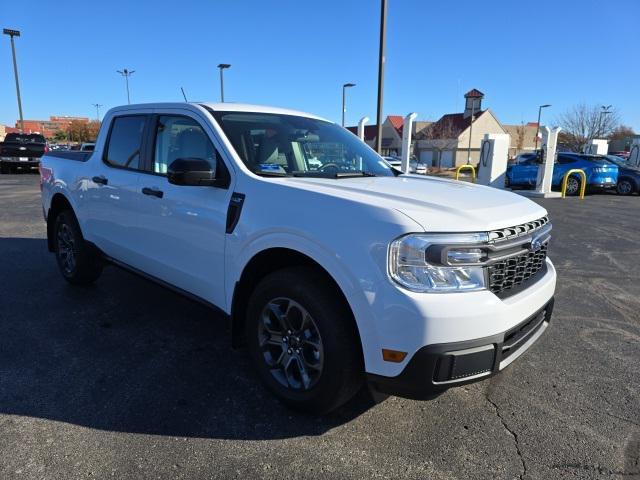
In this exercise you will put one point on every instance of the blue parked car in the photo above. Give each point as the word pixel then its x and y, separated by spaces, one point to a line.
pixel 628 176
pixel 601 173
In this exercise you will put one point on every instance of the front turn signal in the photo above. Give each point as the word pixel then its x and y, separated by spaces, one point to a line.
pixel 393 355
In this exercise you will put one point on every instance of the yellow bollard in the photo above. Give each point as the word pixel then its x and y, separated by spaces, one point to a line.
pixel 583 184
pixel 466 167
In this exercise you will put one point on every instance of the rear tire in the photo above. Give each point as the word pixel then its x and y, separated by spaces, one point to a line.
pixel 625 187
pixel 303 342
pixel 77 260
pixel 5 169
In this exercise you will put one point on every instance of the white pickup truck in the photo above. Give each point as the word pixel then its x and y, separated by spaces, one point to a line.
pixel 334 269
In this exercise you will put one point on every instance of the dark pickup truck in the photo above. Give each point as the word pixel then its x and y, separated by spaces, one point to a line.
pixel 21 150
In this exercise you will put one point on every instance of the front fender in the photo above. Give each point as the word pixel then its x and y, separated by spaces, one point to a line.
pixel 240 254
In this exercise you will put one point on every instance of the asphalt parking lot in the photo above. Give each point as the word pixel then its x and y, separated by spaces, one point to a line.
pixel 128 380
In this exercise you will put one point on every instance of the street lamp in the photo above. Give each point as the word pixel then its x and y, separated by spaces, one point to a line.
pixel 381 62
pixel 15 33
pixel 538 127
pixel 605 111
pixel 222 66
pixel 97 105
pixel 344 98
pixel 126 74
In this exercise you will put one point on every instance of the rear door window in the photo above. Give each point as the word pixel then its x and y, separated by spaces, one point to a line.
pixel 125 141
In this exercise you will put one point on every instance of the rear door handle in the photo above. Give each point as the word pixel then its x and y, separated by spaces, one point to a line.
pixel 101 180
pixel 153 192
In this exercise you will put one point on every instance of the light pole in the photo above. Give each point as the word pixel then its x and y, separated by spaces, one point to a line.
pixel 15 33
pixel 344 98
pixel 381 62
pixel 222 66
pixel 126 74
pixel 97 105
pixel 538 127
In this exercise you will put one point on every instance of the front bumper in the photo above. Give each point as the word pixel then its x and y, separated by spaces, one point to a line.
pixel 603 185
pixel 435 368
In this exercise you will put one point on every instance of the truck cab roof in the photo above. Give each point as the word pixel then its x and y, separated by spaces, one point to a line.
pixel 220 107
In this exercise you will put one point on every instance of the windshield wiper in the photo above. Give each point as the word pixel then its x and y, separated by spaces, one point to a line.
pixel 320 174
pixel 360 173
pixel 267 173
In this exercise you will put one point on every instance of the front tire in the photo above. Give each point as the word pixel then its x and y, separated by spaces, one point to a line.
pixel 78 262
pixel 625 187
pixel 5 169
pixel 302 339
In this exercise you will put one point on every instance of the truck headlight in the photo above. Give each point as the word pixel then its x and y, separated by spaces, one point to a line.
pixel 439 262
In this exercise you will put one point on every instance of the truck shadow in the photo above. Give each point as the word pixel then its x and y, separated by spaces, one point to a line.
pixel 127 355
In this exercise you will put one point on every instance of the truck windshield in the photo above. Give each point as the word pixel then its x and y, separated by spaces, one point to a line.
pixel 273 144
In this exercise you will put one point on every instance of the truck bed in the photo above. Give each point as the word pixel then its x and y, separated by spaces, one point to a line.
pixel 70 155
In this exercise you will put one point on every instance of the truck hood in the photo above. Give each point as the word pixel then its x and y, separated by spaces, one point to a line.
pixel 438 205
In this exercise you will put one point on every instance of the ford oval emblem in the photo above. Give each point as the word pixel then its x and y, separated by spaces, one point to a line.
pixel 536 243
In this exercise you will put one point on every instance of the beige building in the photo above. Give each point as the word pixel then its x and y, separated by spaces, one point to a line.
pixel 392 129
pixel 523 138
pixel 445 143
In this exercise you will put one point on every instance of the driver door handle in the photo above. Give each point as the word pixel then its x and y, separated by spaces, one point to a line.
pixel 100 180
pixel 154 192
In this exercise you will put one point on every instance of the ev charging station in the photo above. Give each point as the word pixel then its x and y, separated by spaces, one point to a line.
pixel 634 154
pixel 545 172
pixel 494 153
pixel 407 127
pixel 597 147
pixel 361 125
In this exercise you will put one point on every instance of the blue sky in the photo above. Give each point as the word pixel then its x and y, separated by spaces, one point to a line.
pixel 297 54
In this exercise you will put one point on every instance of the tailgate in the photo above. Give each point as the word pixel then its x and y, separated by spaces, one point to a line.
pixel 31 150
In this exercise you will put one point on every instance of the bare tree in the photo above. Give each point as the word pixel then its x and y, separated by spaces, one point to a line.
pixel 583 123
pixel 621 132
pixel 441 136
pixel 521 131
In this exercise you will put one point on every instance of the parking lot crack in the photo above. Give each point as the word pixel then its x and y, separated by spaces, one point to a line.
pixel 513 435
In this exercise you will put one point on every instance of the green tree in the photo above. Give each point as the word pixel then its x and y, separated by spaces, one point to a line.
pixel 60 135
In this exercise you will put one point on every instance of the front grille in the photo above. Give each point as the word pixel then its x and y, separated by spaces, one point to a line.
pixel 511 272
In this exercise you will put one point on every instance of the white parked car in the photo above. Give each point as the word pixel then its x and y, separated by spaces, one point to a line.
pixel 417 167
pixel 414 165
pixel 395 162
pixel 333 274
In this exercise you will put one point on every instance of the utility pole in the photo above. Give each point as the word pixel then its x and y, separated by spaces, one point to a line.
pixel 381 62
pixel 97 105
pixel 126 74
pixel 16 33
pixel 538 127
pixel 222 66
pixel 344 98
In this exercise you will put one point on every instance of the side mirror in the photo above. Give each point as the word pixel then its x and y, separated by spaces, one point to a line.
pixel 194 172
